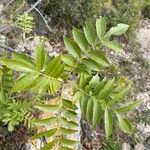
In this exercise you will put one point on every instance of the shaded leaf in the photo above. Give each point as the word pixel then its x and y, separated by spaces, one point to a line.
pixel 120 96
pixel 118 30
pixel 80 39
pixel 25 82
pixel 17 65
pixel 72 47
pixel 114 45
pixel 89 110
pixel 108 123
pixel 98 57
pixel 124 124
pixel 48 108
pixel 39 56
pixel 96 113
pixel 46 134
pixel 101 27
pixel 90 32
pixel 129 107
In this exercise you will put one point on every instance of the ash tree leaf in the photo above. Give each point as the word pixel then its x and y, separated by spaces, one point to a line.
pixel 114 45
pixel 91 64
pixel 48 108
pixel 94 81
pixel 25 82
pixel 129 107
pixel 54 86
pixel 23 58
pixel 101 27
pixel 109 86
pixel 49 145
pixel 72 47
pixel 80 39
pixel 124 124
pixel 89 110
pixel 67 123
pixel 83 105
pixel 17 65
pixel 68 131
pixel 46 134
pixel 118 30
pixel 96 113
pixel 68 141
pixel 65 148
pixel 39 56
pixel 90 32
pixel 108 123
pixel 69 60
pixel 98 57
pixel 53 66
pixel 45 122
pixel 119 96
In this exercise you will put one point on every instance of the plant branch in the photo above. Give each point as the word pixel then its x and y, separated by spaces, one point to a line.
pixel 43 20
pixel 33 6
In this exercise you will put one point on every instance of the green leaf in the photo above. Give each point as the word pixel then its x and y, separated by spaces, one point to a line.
pixel 114 45
pixel 59 71
pixel 96 113
pixel 119 96
pixel 46 134
pixel 68 131
pixel 23 58
pixel 129 107
pixel 91 64
pixel 54 86
pixel 45 122
pixel 90 32
pixel 118 30
pixel 17 65
pixel 72 47
pixel 53 66
pixel 109 86
pixel 108 123
pixel 94 81
pixel 39 56
pixel 99 86
pixel 83 105
pixel 89 110
pixel 25 82
pixel 80 39
pixel 48 108
pixel 69 124
pixel 69 104
pixel 98 57
pixel 70 114
pixel 65 148
pixel 69 60
pixel 68 142
pixel 101 27
pixel 124 124
pixel 49 145
pixel 41 84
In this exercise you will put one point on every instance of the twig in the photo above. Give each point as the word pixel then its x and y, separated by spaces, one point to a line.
pixel 44 20
pixel 33 6
pixel 8 3
pixel 7 48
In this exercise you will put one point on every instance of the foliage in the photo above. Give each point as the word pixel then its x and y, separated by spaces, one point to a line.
pixel 79 11
pixel 99 97
pixel 12 112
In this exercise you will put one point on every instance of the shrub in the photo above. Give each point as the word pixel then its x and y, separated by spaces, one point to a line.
pixel 99 97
